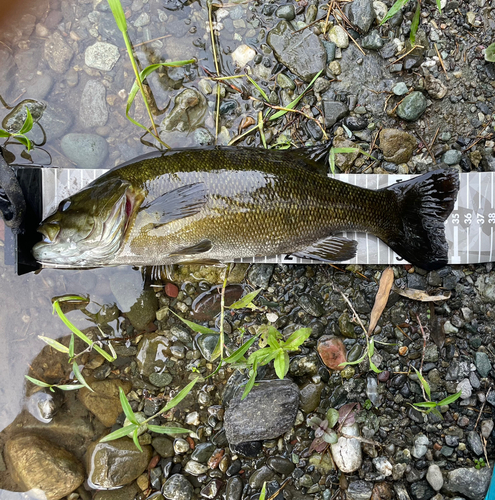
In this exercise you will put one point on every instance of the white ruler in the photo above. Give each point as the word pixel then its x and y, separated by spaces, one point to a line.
pixel 469 229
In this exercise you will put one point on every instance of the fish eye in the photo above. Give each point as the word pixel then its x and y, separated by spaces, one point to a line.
pixel 64 205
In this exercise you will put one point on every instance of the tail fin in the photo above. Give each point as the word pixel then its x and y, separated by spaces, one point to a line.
pixel 424 203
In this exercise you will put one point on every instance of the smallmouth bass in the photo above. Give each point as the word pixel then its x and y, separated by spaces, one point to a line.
pixel 218 204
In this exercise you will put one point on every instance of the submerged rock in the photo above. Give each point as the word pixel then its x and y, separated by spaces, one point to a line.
pixel 268 411
pixel 302 52
pixel 93 111
pixel 38 463
pixel 58 53
pixel 115 463
pixel 14 121
pixel 102 56
pixel 188 112
pixel 85 150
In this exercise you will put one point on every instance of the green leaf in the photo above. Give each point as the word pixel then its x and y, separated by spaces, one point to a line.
pixel 490 53
pixel 53 343
pixel 239 353
pixel 437 413
pixel 69 387
pixel 281 363
pixel 72 328
pixel 332 417
pixel 105 354
pixel 127 407
pixel 439 6
pixel 37 382
pixel 79 376
pixel 250 383
pixel 272 337
pixel 394 9
pixel 118 14
pixel 71 346
pixel 415 23
pixel 23 140
pixel 294 103
pixel 345 150
pixel 245 301
pixel 194 326
pixel 263 492
pixel 424 383
pixel 426 404
pixel 330 437
pixel 297 338
pixel 177 399
pixel 371 348
pixel 360 360
pixel 374 367
pixel 123 431
pixel 450 399
pixel 262 356
pixel 135 438
pixel 4 133
pixel 161 429
pixel 260 90
pixel 28 123
pixel 331 160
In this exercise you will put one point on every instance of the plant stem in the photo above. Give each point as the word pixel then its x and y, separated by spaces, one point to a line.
pixel 222 310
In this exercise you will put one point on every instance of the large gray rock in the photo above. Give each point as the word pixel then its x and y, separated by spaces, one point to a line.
pixel 85 150
pixel 93 110
pixel 302 52
pixel 361 13
pixel 177 488
pixel 268 411
pixel 471 483
pixel 115 463
pixel 38 463
pixel 102 56
pixel 58 53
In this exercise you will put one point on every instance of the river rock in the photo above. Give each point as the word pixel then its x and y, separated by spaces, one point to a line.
pixel 104 402
pixel 471 483
pixel 435 87
pixel 188 111
pixel 302 52
pixel 14 121
pixel 483 364
pixel 346 452
pixel 58 53
pixel 115 463
pixel 143 311
pixel 268 411
pixel 434 477
pixel 361 14
pixel 153 351
pixel 242 55
pixel 334 111
pixel 339 37
pixel 412 107
pixel 260 274
pixel 38 463
pixel 177 488
pixel 359 490
pixel 128 492
pixel 56 121
pixel 332 352
pixel 85 150
pixel 397 146
pixel 93 110
pixel 102 56
pixel 310 396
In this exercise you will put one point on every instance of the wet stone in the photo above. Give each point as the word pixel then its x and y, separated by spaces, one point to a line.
pixel 153 350
pixel 203 452
pixel 102 56
pixel 188 111
pixel 311 305
pixel 372 41
pixel 434 477
pixel 44 405
pixel 160 379
pixel 334 111
pixel 163 446
pixel 465 387
pixel 483 364
pixel 38 463
pixel 260 274
pixel 207 344
pixel 211 489
pixel 470 483
pixel 280 465
pixel 310 396
pixel 284 82
pixel 359 490
pixel 56 121
pixel 234 488
pixel 93 111
pixel 181 446
pixel 412 107
pixel 286 12
pixel 260 476
pixel 14 121
pixel 58 53
pixel 397 146
pixel 332 352
pixel 195 468
pixel 339 37
pixel 452 157
pixel 302 52
pixel 361 14
pixel 85 150
pixel 421 490
pixel 347 453
pixel 420 448
pixel 268 411
pixel 177 487
pixel 474 442
pixel 330 49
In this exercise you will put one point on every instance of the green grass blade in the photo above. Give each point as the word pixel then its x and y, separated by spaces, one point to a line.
pixel 105 354
pixel 415 23
pixel 439 6
pixel 331 160
pixel 119 433
pixel 394 9
pixel 426 404
pixel 24 141
pixel 4 133
pixel 260 90
pixel 28 123
pixel 371 348
pixel 69 387
pixel 450 399
pixel 263 492
pixel 79 376
pixel 71 346
pixel 53 343
pixel 245 301
pixel 251 381
pixel 72 328
pixel 294 103
pixel 374 367
pixel 349 363
pixel 37 382
pixel 239 353
pixel 194 326
pixel 161 429
pixel 177 399
pixel 424 383
pixel 118 14
pixel 127 407
pixel 135 438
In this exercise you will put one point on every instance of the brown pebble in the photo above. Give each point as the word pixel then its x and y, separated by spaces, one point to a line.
pixel 381 491
pixel 171 290
pixel 216 458
pixel 190 440
pixel 403 350
pixel 437 446
pixel 332 352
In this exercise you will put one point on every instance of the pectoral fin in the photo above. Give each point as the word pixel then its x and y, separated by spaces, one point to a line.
pixel 201 247
pixel 177 204
pixel 333 249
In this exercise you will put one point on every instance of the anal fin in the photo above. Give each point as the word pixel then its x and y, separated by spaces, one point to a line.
pixel 332 249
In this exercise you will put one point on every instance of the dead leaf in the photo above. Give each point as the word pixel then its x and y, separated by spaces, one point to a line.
pixel 420 295
pixel 381 299
pixel 347 413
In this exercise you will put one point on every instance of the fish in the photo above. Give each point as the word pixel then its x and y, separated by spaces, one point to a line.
pixel 218 204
